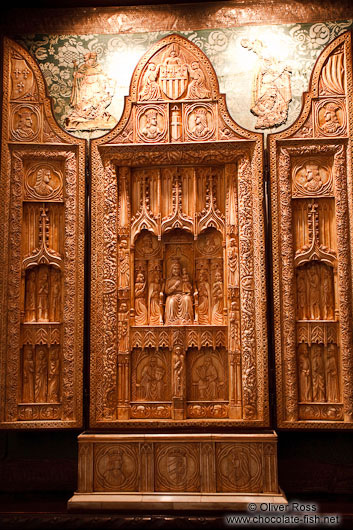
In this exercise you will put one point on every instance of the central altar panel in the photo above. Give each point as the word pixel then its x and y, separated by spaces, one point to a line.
pixel 178 311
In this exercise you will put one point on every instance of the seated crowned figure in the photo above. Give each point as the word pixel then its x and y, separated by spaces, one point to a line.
pixel 178 306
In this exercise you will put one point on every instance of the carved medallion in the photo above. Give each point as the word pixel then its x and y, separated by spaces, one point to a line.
pixel 43 182
pixel 25 123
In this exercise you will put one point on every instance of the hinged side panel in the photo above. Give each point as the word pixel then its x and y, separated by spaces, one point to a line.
pixel 42 245
pixel 311 199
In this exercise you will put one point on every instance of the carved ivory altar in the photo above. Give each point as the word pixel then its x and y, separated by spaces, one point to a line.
pixel 178 326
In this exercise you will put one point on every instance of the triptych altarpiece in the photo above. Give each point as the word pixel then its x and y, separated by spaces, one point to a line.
pixel 178 291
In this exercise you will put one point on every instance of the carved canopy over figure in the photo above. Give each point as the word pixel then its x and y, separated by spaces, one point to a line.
pixel 92 93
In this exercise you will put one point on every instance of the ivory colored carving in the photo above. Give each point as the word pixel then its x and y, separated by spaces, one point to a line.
pixel 178 254
pixel 42 221
pixel 311 205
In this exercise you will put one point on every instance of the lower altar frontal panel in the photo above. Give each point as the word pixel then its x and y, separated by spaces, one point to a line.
pixel 176 471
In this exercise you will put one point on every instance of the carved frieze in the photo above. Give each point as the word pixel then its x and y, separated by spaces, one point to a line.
pixel 178 282
pixel 311 205
pixel 42 255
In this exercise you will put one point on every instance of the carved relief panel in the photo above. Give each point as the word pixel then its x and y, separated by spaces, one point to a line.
pixel 42 230
pixel 178 286
pixel 311 205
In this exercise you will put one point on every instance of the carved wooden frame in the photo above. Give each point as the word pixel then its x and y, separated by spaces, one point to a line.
pixel 117 149
pixel 49 144
pixel 303 138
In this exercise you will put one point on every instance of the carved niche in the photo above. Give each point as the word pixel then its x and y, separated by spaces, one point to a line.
pixel 178 325
pixel 42 235
pixel 312 250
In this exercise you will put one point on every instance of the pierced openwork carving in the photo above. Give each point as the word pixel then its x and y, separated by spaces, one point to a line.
pixel 42 218
pixel 178 298
pixel 311 201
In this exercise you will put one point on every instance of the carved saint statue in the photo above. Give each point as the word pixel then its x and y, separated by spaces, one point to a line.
pixel 43 295
pixel 178 372
pixel 40 389
pixel 207 380
pixel 154 297
pixel 305 389
pixel 204 297
pixel 197 84
pixel 152 383
pixel 53 376
pixel 332 374
pixel 314 293
pixel 301 294
pixel 178 306
pixel 140 300
pixel 28 375
pixel 123 326
pixel 149 88
pixel 233 265
pixel 327 294
pixel 30 299
pixel 271 93
pixel 217 294
pixel 318 373
pixel 331 123
pixel 92 93
pixel 55 296
pixel 124 264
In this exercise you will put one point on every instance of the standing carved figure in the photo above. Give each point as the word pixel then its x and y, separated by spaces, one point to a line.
pixel 301 294
pixel 204 297
pixel 154 294
pixel 53 376
pixel 233 270
pixel 318 374
pixel 140 300
pixel 178 369
pixel 30 300
pixel 217 293
pixel 43 295
pixel 40 390
pixel 305 389
pixel 314 293
pixel 332 374
pixel 327 295
pixel 55 297
pixel 124 264
pixel 28 375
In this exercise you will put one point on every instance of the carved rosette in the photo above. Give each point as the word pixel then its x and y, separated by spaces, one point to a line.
pixel 170 211
pixel 311 205
pixel 42 253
